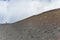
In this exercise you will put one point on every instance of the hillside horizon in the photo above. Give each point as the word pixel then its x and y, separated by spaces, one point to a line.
pixel 45 26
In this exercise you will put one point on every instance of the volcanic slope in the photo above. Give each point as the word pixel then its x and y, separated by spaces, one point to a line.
pixel 44 26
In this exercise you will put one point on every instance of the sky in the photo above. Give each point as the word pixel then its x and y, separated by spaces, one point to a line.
pixel 15 10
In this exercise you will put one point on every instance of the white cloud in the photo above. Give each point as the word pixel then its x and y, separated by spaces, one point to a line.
pixel 16 10
pixel 3 11
pixel 24 9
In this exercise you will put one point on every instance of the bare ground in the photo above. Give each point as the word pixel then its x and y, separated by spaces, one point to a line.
pixel 45 26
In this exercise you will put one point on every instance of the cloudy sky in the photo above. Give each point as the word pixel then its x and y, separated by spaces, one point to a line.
pixel 15 10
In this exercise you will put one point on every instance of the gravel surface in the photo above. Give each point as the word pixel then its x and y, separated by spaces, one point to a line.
pixel 45 26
